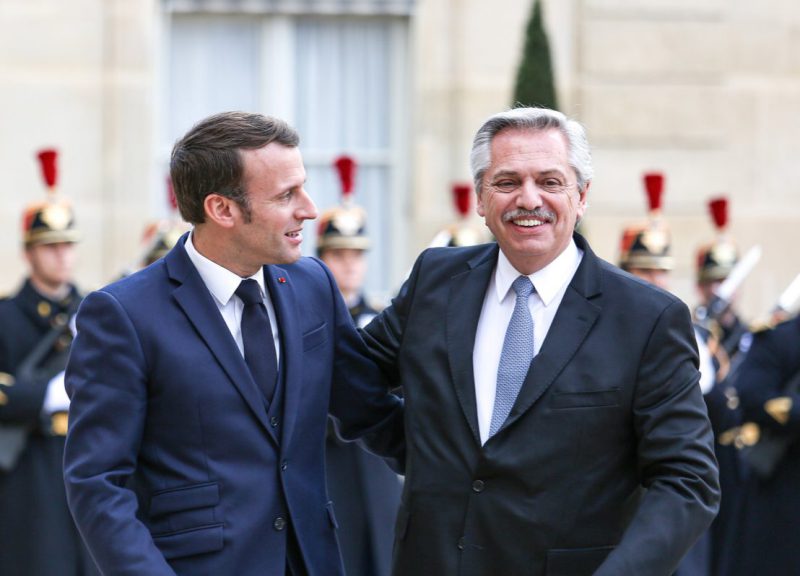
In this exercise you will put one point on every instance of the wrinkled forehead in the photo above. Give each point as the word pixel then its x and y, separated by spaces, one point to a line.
pixel 517 150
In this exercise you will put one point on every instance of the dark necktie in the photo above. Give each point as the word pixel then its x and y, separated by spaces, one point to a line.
pixel 515 359
pixel 259 346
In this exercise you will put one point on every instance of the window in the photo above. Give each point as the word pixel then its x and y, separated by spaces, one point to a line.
pixel 341 80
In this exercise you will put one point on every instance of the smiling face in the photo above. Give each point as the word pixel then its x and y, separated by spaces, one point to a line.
pixel 529 196
pixel 271 233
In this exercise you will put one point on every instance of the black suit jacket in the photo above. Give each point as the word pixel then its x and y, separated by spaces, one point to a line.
pixel 605 464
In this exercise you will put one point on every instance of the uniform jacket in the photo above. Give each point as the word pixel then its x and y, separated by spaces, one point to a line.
pixel 771 517
pixel 605 465
pixel 173 464
pixel 365 493
pixel 37 534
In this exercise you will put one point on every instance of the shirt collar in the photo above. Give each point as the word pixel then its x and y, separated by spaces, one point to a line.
pixel 220 281
pixel 548 281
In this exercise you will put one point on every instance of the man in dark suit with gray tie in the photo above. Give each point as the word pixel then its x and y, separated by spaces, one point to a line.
pixel 554 425
pixel 201 385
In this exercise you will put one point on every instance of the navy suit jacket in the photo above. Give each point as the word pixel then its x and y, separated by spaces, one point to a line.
pixel 173 464
pixel 605 465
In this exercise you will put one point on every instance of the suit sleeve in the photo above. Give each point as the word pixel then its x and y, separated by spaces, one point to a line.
pixel 675 454
pixel 384 334
pixel 361 400
pixel 106 381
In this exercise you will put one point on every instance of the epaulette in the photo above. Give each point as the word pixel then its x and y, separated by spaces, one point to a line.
pixel 762 326
pixel 769 323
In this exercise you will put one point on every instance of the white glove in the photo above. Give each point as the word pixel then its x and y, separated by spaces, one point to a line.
pixel 56 399
pixel 707 373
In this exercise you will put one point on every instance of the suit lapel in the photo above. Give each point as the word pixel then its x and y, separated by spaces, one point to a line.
pixel 284 299
pixel 197 303
pixel 466 293
pixel 575 317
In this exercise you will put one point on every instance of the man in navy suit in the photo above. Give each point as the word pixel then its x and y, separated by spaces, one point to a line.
pixel 554 425
pixel 185 454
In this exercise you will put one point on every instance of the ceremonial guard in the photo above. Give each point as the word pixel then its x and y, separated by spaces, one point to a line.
pixel 37 534
pixel 160 237
pixel 720 272
pixel 715 261
pixel 462 232
pixel 768 382
pixel 365 492
pixel 646 252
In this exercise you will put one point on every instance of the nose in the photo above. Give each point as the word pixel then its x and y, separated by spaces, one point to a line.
pixel 307 210
pixel 529 196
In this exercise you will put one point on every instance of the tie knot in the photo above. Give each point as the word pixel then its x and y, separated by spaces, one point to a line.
pixel 249 292
pixel 522 286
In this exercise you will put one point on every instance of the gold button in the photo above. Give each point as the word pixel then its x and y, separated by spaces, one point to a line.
pixel 3 398
pixel 43 309
pixel 6 379
pixel 59 423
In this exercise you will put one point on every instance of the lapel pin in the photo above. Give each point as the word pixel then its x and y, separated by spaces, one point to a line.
pixel 281 280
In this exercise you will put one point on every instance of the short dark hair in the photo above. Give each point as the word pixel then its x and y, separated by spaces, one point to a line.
pixel 207 159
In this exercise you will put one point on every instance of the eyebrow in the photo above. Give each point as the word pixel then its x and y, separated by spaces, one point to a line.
pixel 508 173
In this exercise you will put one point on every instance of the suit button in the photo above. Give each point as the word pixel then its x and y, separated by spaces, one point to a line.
pixel 279 524
pixel 460 543
pixel 284 465
pixel 273 421
pixel 478 486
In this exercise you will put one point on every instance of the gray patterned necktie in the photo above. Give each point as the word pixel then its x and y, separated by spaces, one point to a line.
pixel 516 356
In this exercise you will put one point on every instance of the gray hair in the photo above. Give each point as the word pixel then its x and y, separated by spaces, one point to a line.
pixel 580 156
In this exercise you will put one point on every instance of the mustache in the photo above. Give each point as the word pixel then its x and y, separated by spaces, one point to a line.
pixel 542 214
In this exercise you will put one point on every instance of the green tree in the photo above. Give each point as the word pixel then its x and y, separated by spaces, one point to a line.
pixel 534 86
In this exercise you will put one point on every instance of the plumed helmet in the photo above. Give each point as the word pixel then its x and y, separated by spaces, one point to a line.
pixel 345 225
pixel 52 220
pixel 647 245
pixel 716 260
pixel 462 232
pixel 159 238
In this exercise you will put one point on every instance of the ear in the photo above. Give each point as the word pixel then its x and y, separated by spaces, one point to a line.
pixel 479 207
pixel 221 210
pixel 582 199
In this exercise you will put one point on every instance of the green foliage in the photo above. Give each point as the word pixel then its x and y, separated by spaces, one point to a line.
pixel 534 86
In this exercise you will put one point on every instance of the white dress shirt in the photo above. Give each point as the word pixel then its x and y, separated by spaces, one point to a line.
pixel 222 283
pixel 551 283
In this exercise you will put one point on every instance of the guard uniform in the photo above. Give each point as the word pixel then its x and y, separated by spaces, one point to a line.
pixel 37 534
pixel 728 340
pixel 768 382
pixel 646 252
pixel 365 491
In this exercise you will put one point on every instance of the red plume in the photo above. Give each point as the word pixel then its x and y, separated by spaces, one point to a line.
pixel 173 201
pixel 47 159
pixel 719 212
pixel 462 193
pixel 654 184
pixel 346 167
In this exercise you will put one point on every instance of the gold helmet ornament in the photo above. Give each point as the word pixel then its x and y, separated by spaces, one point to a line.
pixel 343 226
pixel 647 245
pixel 462 232
pixel 160 237
pixel 50 221
pixel 716 260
